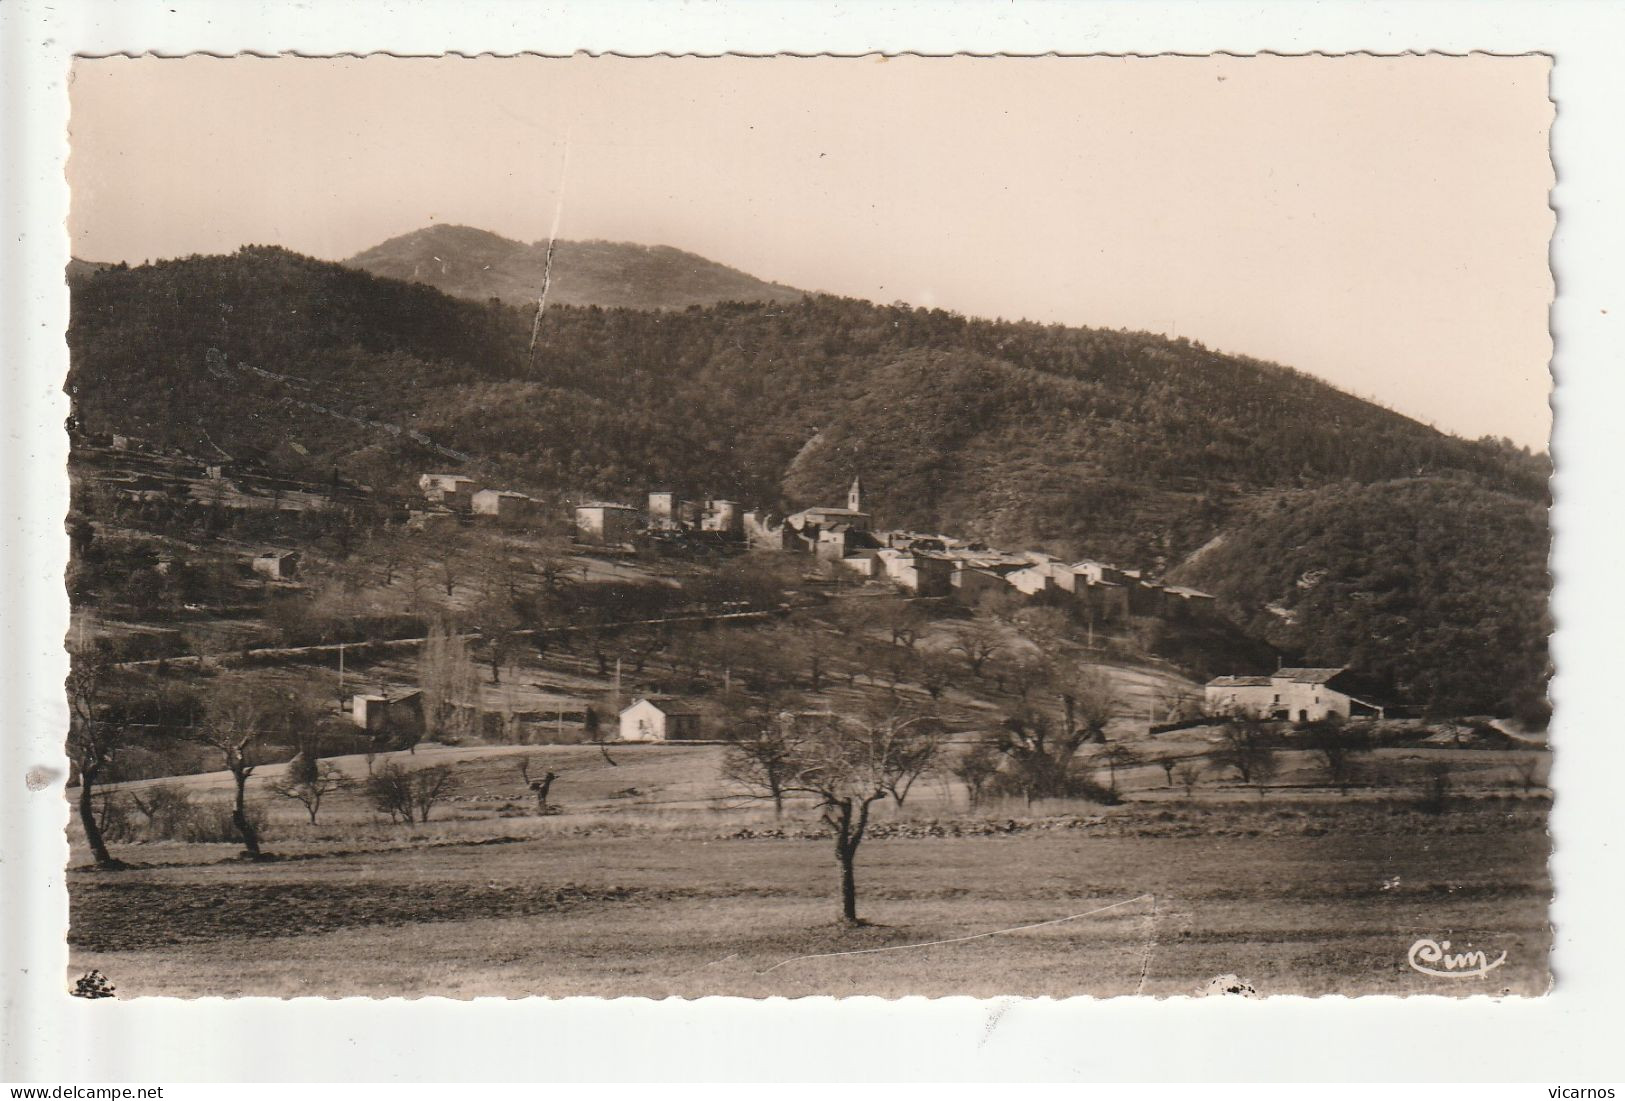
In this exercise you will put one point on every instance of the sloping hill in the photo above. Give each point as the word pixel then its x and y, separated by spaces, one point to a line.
pixel 1436 588
pixel 473 263
pixel 1125 446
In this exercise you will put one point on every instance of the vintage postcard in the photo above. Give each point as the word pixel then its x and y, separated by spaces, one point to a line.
pixel 783 526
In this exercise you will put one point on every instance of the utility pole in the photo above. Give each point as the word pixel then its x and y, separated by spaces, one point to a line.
pixel 341 676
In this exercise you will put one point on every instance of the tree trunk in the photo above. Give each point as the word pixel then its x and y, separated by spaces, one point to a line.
pixel 778 803
pixel 87 818
pixel 849 884
pixel 239 816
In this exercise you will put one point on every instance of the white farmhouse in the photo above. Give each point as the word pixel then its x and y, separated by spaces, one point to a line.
pixel 648 721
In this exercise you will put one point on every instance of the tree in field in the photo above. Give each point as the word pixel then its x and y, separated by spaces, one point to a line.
pixel 1189 774
pixel 400 792
pixel 1336 749
pixel 165 807
pixel 764 744
pixel 237 723
pixel 499 633
pixel 933 673
pixel 597 733
pixel 539 787
pixel 1088 699
pixel 429 786
pixel 95 737
pixel 1114 757
pixel 1039 757
pixel 978 641
pixel 1167 763
pixel 308 780
pixel 449 682
pixel 847 765
pixel 1248 747
pixel 975 767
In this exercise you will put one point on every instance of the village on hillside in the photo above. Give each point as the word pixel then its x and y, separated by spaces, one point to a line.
pixel 840 544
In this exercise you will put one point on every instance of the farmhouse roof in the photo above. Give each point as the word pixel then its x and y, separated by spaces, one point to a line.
pixel 665 707
pixel 1307 676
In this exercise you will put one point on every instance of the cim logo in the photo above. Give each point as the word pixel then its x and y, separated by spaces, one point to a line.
pixel 1432 957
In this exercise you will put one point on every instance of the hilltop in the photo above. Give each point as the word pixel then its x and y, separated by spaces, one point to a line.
pixel 1129 447
pixel 477 264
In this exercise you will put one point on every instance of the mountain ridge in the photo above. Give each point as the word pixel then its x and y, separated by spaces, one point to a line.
pixel 473 263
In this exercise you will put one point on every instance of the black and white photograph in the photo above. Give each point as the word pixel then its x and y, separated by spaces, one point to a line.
pixel 782 526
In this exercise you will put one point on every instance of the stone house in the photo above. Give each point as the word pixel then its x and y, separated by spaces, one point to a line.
pixel 1189 605
pixel 663 508
pixel 506 508
pixel 606 524
pixel 1294 695
pixel 969 583
pixel 451 490
pixel 278 565
pixel 723 516
pixel 377 712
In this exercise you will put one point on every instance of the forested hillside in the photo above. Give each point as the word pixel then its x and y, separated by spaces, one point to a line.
pixel 477 264
pixel 1126 446
pixel 1437 587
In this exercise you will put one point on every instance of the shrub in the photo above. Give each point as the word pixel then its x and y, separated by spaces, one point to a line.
pixel 211 823
pixel 399 792
pixel 1435 788
pixel 166 808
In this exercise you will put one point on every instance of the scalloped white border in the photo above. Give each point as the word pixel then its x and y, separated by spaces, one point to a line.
pixel 1567 1036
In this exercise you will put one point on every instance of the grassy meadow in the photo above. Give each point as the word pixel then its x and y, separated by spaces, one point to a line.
pixel 655 880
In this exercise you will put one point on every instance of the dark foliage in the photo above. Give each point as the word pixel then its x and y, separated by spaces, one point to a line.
pixel 1437 588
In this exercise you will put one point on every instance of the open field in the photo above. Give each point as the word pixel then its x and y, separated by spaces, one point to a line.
pixel 673 891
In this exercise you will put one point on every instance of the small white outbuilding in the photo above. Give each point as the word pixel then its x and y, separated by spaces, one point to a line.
pixel 648 721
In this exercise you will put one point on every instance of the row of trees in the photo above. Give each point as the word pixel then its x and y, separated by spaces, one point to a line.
pixel 241 725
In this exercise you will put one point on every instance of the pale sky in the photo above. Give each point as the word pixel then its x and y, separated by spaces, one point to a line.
pixel 1381 223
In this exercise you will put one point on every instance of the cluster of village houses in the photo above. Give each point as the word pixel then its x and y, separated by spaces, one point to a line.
pixel 924 564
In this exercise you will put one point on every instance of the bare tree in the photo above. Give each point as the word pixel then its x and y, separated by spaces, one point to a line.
pixel 933 674
pixel 450 685
pixel 847 765
pixel 1527 769
pixel 399 792
pixel 1088 699
pixel 1189 774
pixel 975 767
pixel 1114 757
pixel 1167 763
pixel 764 747
pixel 1434 787
pixel 1248 747
pixel 237 724
pixel 308 780
pixel 165 807
pixel 539 787
pixel 978 641
pixel 1335 747
pixel 597 733
pixel 430 786
pixel 95 737
pixel 1040 757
